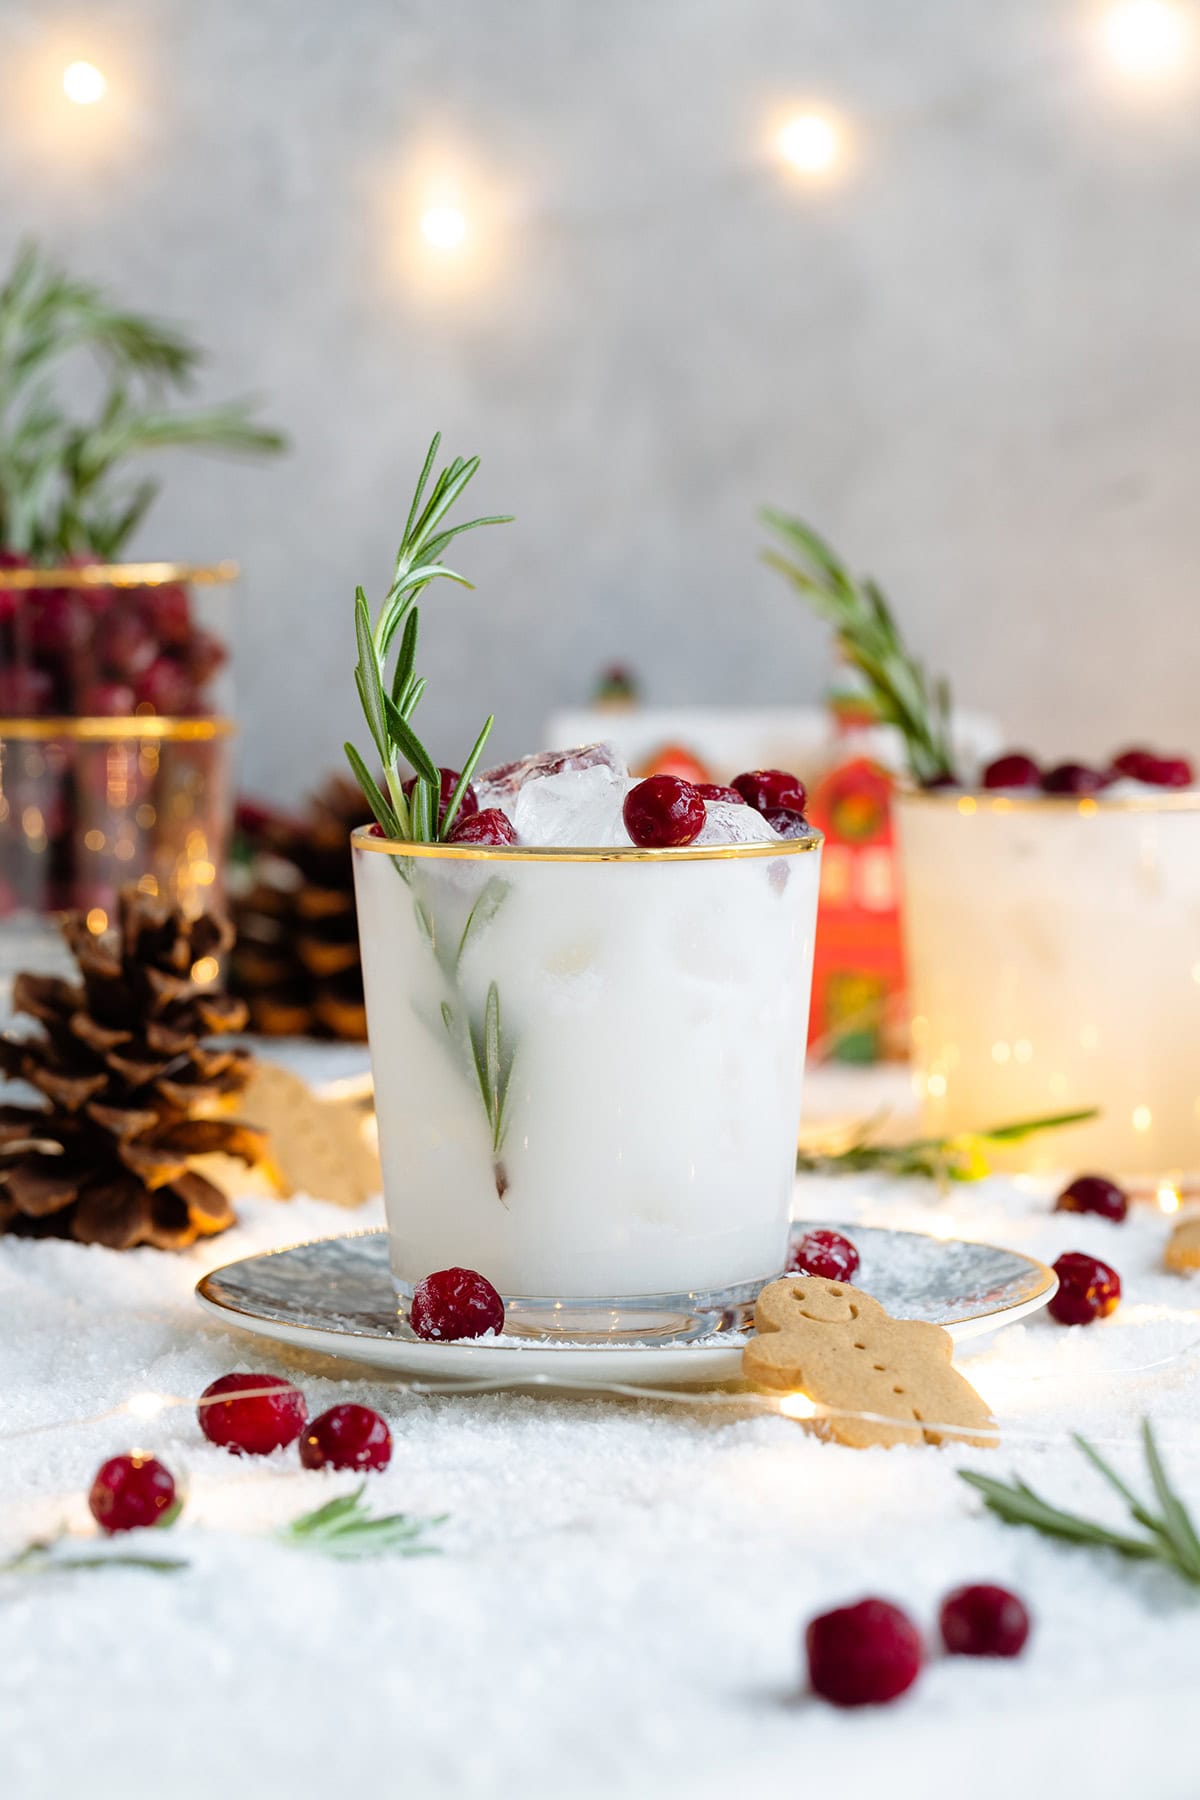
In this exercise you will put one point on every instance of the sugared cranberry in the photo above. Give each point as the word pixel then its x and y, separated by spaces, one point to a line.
pixel 131 1491
pixel 1094 1194
pixel 268 1414
pixel 1087 1289
pixel 1155 770
pixel 863 1655
pixel 710 790
pixel 1013 770
pixel 450 779
pixel 490 826
pixel 824 1253
pixel 1073 778
pixel 984 1621
pixel 787 823
pixel 346 1437
pixel 165 688
pixel 455 1303
pixel 107 700
pixel 766 790
pixel 663 812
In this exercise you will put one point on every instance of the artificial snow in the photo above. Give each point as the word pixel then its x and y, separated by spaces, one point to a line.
pixel 620 1603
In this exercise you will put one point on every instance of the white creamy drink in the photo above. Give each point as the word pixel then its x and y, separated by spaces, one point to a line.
pixel 588 1056
pixel 1054 964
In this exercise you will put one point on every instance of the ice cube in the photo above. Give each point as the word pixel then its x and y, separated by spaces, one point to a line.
pixel 728 823
pixel 578 807
pixel 501 785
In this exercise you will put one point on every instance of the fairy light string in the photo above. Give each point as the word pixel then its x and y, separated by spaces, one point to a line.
pixel 797 1406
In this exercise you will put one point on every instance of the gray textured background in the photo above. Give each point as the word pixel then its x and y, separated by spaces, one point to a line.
pixel 973 362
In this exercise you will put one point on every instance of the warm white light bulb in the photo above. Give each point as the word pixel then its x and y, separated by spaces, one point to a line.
pixel 445 227
pixel 1147 38
pixel 145 1406
pixel 810 143
pixel 83 83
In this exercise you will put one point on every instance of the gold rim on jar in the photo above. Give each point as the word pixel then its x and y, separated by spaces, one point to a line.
pixel 93 730
pixel 364 839
pixel 986 800
pixel 131 575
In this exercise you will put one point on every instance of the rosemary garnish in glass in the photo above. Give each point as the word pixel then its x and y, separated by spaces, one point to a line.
pixel 869 638
pixel 389 701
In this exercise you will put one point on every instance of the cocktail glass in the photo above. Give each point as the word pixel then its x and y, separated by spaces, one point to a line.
pixel 588 1072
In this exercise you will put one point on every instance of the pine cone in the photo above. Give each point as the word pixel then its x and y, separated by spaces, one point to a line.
pixel 296 959
pixel 120 1061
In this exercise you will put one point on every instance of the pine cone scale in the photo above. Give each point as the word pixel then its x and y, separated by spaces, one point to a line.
pixel 296 958
pixel 121 1063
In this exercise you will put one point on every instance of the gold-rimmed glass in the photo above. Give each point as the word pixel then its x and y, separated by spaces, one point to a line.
pixel 1053 950
pixel 588 1071
pixel 115 734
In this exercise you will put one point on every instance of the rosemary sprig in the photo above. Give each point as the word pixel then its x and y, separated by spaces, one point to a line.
pixel 59 489
pixel 1168 1536
pixel 868 637
pixel 960 1157
pixel 346 1530
pixel 46 1556
pixel 389 702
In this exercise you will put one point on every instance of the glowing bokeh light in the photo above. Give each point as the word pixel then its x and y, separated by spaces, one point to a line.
pixel 445 227
pixel 1147 39
pixel 810 143
pixel 83 83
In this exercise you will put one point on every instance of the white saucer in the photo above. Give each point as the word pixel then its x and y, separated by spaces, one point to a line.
pixel 335 1296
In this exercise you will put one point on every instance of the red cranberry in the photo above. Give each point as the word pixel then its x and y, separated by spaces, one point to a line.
pixel 1073 778
pixel 710 790
pixel 934 784
pixel 863 1655
pixel 490 826
pixel 270 1414
pixel 455 1303
pixel 1155 770
pixel 168 612
pixel 824 1253
pixel 126 648
pixel 768 789
pixel 166 687
pixel 1094 1194
pixel 1087 1289
pixel 346 1437
pixel 984 1621
pixel 25 693
pixel 663 812
pixel 107 700
pixel 450 779
pixel 61 625
pixel 376 830
pixel 1013 770
pixel 787 823
pixel 131 1491
pixel 204 655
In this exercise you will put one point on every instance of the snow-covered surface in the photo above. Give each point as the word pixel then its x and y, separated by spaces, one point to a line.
pixel 619 1605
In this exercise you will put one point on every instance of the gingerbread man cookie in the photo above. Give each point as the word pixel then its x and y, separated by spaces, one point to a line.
pixel 1182 1253
pixel 837 1345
